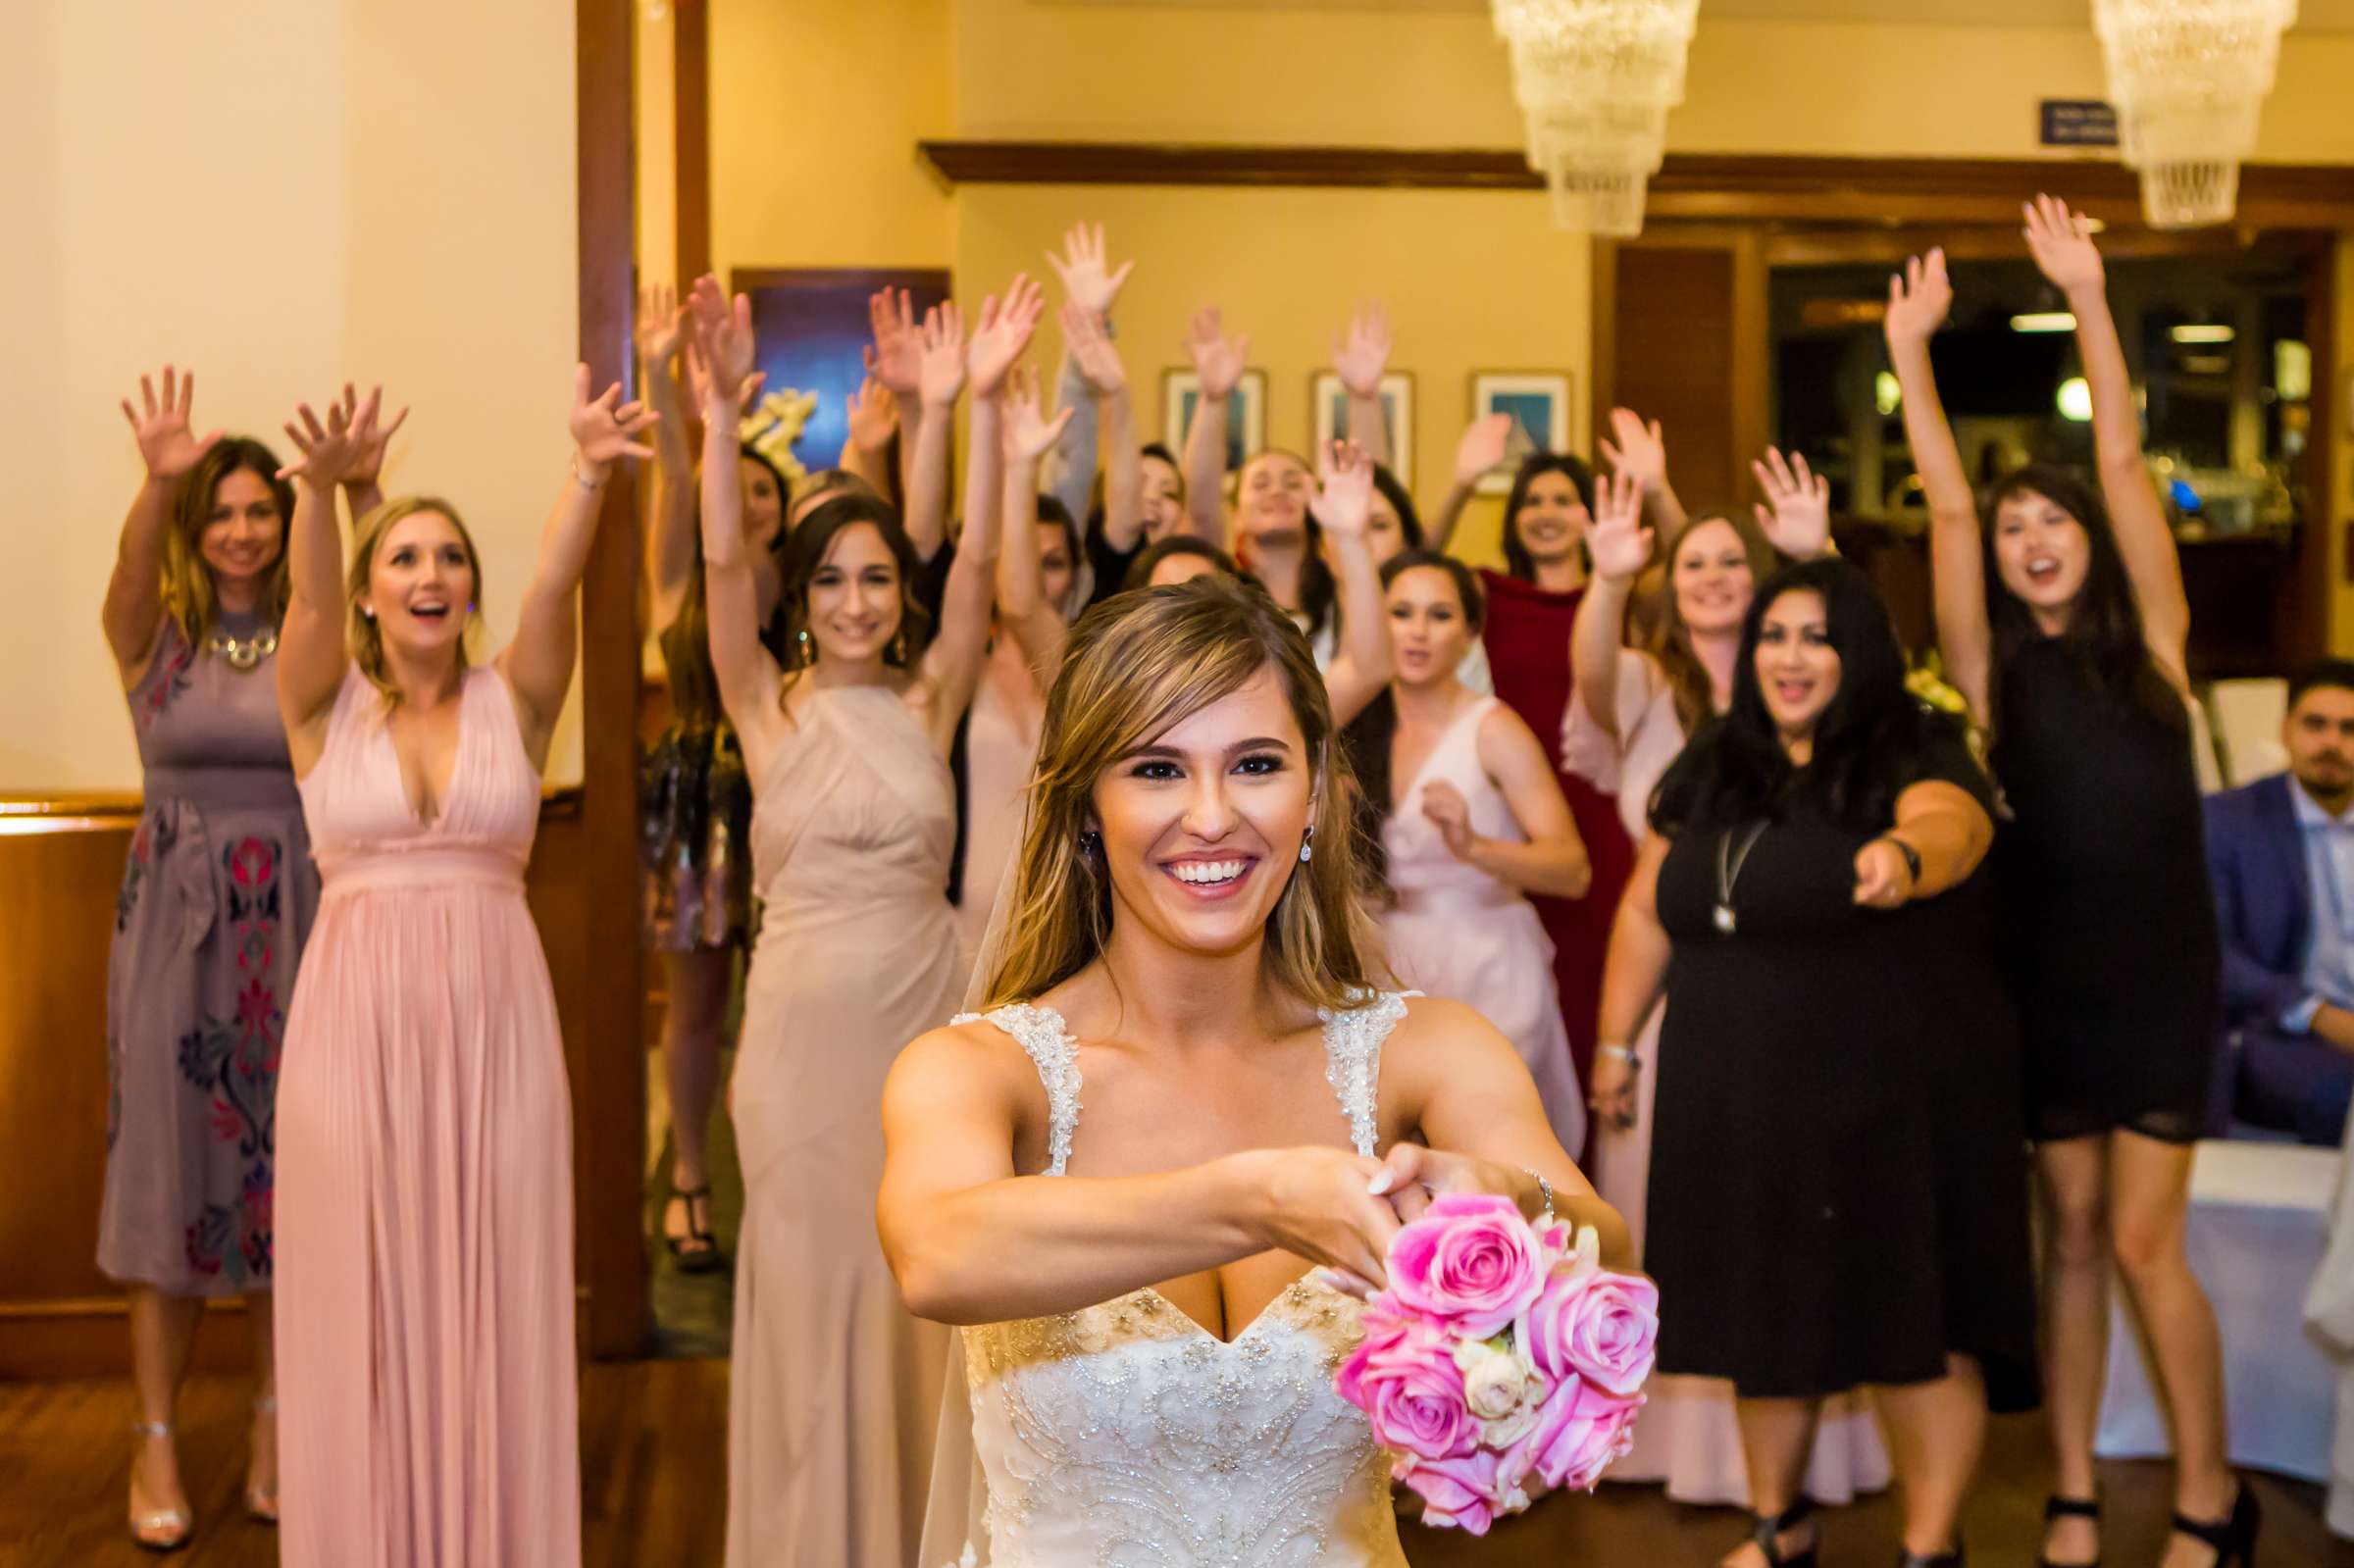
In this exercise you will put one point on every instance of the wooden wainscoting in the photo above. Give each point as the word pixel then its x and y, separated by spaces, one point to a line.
pixel 60 865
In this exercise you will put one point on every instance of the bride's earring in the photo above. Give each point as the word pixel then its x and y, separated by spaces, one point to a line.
pixel 1091 842
pixel 1307 847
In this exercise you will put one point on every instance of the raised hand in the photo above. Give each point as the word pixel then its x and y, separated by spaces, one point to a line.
pixel 330 448
pixel 1091 351
pixel 698 381
pixel 1363 353
pixel 896 358
pixel 1485 441
pixel 1002 333
pixel 873 414
pixel 1029 434
pixel 1086 283
pixel 1343 500
pixel 363 469
pixel 1617 540
pixel 1635 447
pixel 2062 246
pixel 165 444
pixel 1451 814
pixel 1883 878
pixel 723 341
pixel 1217 359
pixel 661 325
pixel 603 427
pixel 940 355
pixel 1919 298
pixel 1796 514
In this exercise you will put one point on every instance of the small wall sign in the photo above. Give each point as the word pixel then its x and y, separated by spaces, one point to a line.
pixel 2078 123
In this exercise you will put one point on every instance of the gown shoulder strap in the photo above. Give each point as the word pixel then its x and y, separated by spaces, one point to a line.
pixel 1046 1040
pixel 1353 1039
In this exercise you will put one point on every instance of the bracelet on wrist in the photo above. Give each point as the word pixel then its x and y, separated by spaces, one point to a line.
pixel 1544 1188
pixel 583 481
pixel 1619 1053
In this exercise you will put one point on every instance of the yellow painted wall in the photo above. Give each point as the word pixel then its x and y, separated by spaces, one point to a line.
pixel 313 190
pixel 816 108
pixel 1500 291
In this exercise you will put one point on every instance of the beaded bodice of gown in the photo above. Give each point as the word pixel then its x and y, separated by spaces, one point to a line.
pixel 1126 1434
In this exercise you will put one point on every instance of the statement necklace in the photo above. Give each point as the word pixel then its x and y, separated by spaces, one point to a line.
pixel 243 655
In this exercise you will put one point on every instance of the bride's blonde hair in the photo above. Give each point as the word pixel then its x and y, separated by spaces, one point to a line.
pixel 1139 664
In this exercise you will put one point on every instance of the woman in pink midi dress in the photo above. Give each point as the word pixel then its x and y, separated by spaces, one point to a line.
pixel 425 1205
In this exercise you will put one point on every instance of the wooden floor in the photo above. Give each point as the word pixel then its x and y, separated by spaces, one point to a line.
pixel 655 1472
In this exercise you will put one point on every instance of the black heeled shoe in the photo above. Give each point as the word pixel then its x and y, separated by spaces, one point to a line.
pixel 2059 1507
pixel 1766 1531
pixel 697 1251
pixel 2235 1539
pixel 1956 1558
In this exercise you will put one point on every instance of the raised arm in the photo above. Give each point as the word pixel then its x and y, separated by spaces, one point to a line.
pixel 1090 286
pixel 134 611
pixel 1917 299
pixel 1636 446
pixel 1621 547
pixel 311 652
pixel 1633 974
pixel 748 677
pixel 897 361
pixel 670 487
pixel 1478 453
pixel 1796 515
pixel 2068 257
pixel 1359 356
pixel 952 664
pixel 537 663
pixel 1342 504
pixel 1553 861
pixel 1218 365
pixel 1022 605
pixel 1098 365
pixel 872 413
pixel 970 1242
pixel 362 494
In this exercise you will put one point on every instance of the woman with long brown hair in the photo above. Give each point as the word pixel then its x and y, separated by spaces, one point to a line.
pixel 1185 956
pixel 215 906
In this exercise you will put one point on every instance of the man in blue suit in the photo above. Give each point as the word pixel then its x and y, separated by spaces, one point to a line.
pixel 2281 852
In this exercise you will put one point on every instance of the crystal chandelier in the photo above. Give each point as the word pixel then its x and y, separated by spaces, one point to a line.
pixel 2188 77
pixel 1596 80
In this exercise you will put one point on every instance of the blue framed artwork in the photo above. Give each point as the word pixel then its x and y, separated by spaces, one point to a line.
pixel 814 331
pixel 1330 400
pixel 1538 402
pixel 1245 420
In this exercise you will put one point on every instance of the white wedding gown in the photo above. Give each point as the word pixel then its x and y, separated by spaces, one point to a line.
pixel 1126 1435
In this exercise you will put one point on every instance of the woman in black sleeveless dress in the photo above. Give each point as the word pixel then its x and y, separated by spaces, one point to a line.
pixel 2065 625
pixel 1838 1177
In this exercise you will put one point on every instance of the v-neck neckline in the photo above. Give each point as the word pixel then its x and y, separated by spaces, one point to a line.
pixel 457 762
pixel 1402 798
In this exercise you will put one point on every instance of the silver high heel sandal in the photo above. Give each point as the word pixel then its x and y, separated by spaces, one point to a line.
pixel 147 1529
pixel 261 1502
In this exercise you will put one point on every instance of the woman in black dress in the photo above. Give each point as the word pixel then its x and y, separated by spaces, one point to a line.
pixel 1838 1179
pixel 2065 628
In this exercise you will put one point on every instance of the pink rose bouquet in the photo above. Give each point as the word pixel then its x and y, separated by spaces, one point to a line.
pixel 1500 1351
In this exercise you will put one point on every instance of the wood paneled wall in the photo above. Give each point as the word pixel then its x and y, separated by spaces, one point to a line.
pixel 59 1316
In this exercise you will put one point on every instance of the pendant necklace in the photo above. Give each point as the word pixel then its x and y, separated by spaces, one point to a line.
pixel 242 654
pixel 1729 861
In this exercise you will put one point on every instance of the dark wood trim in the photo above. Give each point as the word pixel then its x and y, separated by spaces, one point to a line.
pixel 609 1059
pixel 690 108
pixel 1689 187
pixel 1753 352
pixel 1603 362
pixel 115 810
pixel 2302 631
pixel 752 279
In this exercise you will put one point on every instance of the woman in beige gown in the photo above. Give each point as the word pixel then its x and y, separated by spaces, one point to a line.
pixel 835 1386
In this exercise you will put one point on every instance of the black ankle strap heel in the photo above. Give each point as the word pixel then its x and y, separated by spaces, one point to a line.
pixel 1767 1530
pixel 1955 1559
pixel 2059 1507
pixel 2233 1539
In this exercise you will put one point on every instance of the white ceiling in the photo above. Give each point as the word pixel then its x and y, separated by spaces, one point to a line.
pixel 2313 16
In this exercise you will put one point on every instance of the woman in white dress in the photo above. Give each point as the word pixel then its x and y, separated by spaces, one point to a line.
pixel 1149 1362
pixel 1473 823
pixel 1630 716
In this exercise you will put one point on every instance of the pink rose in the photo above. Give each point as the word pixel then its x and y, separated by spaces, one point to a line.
pixel 1471 1259
pixel 1459 1494
pixel 1405 1381
pixel 1579 1432
pixel 1601 1327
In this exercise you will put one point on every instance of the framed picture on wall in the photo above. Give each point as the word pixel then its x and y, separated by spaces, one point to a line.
pixel 1330 401
pixel 1538 402
pixel 1245 420
pixel 814 330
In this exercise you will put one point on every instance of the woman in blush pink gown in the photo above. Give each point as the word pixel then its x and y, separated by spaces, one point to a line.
pixel 425 1205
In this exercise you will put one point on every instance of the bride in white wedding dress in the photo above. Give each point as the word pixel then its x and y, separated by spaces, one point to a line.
pixel 1149 1358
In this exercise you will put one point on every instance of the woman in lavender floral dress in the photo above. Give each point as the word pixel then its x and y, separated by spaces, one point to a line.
pixel 216 902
